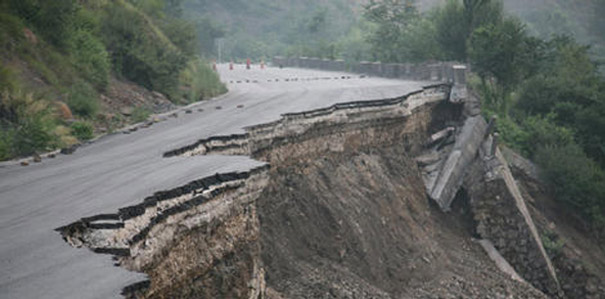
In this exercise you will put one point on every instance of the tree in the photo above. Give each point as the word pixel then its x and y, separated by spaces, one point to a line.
pixel 391 20
pixel 456 21
pixel 479 13
pixel 505 53
pixel 52 19
pixel 576 180
pixel 452 30
pixel 207 32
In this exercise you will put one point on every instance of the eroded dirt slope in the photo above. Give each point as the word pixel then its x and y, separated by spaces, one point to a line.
pixel 357 224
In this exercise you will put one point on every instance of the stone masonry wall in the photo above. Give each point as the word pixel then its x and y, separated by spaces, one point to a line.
pixel 502 217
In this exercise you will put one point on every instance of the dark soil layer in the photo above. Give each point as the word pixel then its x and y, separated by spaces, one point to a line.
pixel 359 225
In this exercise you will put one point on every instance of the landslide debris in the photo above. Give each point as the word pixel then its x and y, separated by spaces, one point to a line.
pixel 359 225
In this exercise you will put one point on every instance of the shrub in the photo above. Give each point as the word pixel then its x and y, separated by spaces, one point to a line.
pixel 140 50
pixel 34 134
pixel 52 19
pixel 532 133
pixel 200 82
pixel 140 114
pixel 29 124
pixel 6 143
pixel 576 179
pixel 543 132
pixel 83 99
pixel 90 57
pixel 182 34
pixel 82 130
pixel 11 32
pixel 8 80
pixel 513 135
pixel 552 243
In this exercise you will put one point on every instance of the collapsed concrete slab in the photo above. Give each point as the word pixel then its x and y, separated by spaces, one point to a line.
pixel 463 153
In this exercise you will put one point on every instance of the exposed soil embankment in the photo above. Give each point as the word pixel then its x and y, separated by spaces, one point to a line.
pixel 345 215
pixel 358 225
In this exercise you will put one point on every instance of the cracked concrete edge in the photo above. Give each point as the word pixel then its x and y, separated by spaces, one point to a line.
pixel 186 197
pixel 238 144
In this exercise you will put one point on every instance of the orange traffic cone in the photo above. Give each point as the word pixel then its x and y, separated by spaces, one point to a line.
pixel 231 65
pixel 248 63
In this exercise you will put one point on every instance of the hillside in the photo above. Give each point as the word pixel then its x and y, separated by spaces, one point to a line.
pixel 581 19
pixel 71 70
pixel 261 29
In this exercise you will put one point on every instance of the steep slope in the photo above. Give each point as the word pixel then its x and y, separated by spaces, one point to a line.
pixel 70 70
pixel 358 225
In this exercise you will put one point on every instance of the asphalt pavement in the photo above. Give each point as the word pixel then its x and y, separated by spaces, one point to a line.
pixel 122 169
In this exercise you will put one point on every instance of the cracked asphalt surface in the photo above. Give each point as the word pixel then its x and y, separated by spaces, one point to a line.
pixel 122 169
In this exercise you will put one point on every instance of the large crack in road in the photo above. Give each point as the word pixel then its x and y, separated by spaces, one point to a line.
pixel 122 170
pixel 140 236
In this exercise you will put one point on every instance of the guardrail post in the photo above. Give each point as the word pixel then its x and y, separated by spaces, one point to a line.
pixel 339 65
pixel 304 62
pixel 434 72
pixel 377 69
pixel 459 93
pixel 459 74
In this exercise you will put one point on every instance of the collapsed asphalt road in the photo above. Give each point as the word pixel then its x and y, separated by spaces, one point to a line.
pixel 121 170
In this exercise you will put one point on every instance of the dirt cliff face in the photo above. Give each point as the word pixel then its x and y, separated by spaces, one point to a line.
pixel 352 220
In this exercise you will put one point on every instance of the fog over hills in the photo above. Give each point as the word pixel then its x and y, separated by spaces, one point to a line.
pixel 263 28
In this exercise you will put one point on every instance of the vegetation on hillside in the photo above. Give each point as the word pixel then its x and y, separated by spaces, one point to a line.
pixel 548 93
pixel 64 52
pixel 528 67
pixel 582 19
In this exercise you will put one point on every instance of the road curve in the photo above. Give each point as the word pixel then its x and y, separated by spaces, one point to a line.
pixel 122 169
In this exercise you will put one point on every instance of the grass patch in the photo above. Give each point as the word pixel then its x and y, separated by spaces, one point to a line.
pixel 28 125
pixel 552 244
pixel 140 114
pixel 82 130
pixel 83 100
